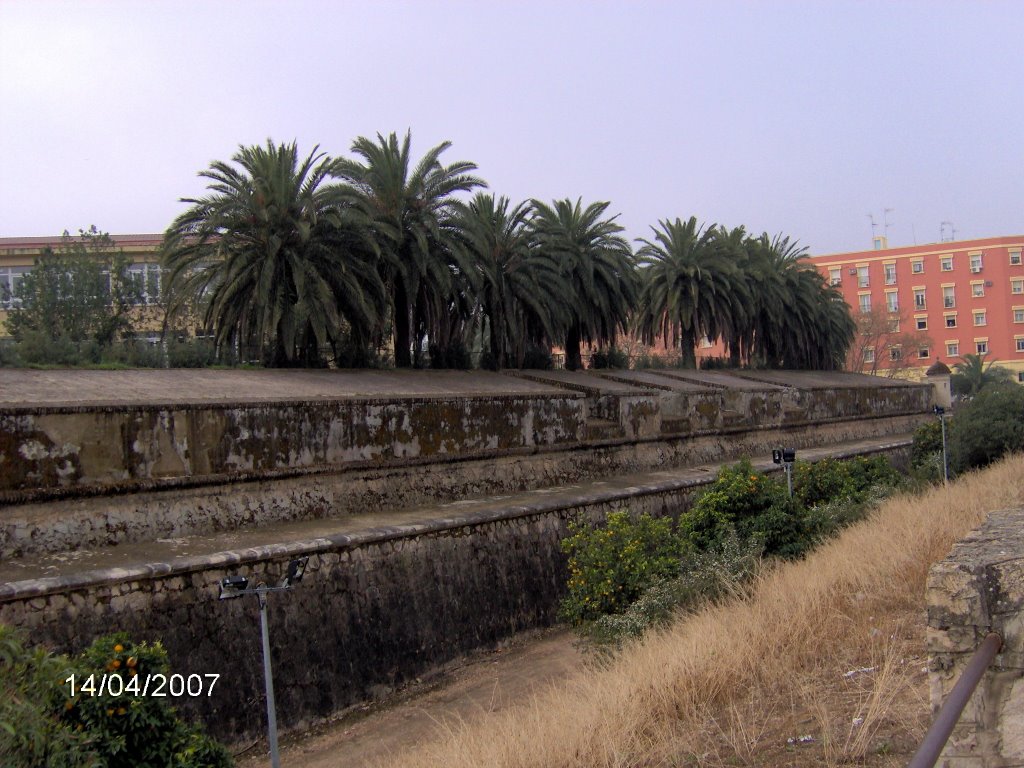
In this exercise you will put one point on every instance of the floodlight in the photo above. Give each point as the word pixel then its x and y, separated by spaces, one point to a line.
pixel 233 586
pixel 789 455
pixel 296 568
pixel 776 455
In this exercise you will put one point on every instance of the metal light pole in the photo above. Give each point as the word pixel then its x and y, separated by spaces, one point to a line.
pixel 268 680
pixel 786 457
pixel 238 586
pixel 941 413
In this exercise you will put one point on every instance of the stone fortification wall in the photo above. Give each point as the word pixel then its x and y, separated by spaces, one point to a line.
pixel 118 448
pixel 377 607
pixel 979 589
pixel 65 524
pixel 54 450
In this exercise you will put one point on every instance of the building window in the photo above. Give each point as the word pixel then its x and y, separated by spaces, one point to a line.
pixel 948 297
pixel 1015 258
pixel 1020 344
pixel 890 274
pixel 835 276
pixel 10 279
pixel 869 355
pixel 919 301
pixel 865 302
pixel 923 352
pixel 1017 286
pixel 1018 315
pixel 862 277
pixel 951 321
pixel 1020 377
pixel 917 267
pixel 976 263
pixel 977 290
pixel 946 263
pixel 891 302
pixel 979 318
pixel 146 279
pixel 981 347
pixel 922 323
pixel 952 349
pixel 895 354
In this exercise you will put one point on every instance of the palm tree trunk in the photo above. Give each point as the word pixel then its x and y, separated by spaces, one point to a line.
pixel 573 358
pixel 687 349
pixel 403 358
pixel 734 351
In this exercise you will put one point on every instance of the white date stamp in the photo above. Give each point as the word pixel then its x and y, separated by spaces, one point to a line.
pixel 158 685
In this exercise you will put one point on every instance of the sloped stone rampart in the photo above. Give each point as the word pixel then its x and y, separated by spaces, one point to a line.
pixel 979 589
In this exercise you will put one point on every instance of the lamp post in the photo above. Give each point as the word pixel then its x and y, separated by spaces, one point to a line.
pixel 238 586
pixel 941 413
pixel 786 457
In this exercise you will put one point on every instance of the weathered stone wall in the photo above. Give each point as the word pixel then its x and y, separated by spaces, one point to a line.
pixel 979 589
pixel 376 609
pixel 55 448
pixel 64 524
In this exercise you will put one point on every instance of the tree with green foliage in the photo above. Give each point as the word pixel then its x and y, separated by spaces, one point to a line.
pixel 80 292
pixel 971 375
pixel 597 266
pixel 276 256
pixel 522 293
pixel 796 319
pixel 414 224
pixel 988 427
pixel 54 711
pixel 690 287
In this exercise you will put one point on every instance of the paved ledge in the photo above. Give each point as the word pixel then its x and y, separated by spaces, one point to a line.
pixel 32 577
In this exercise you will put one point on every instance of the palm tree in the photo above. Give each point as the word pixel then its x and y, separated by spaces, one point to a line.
pixel 522 293
pixel 690 287
pixel 970 375
pixel 275 257
pixel 796 319
pixel 413 223
pixel 597 265
pixel 738 320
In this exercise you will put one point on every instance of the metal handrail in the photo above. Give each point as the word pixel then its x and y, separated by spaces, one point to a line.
pixel 949 714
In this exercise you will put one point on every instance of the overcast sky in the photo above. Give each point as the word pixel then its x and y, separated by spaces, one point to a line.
pixel 795 117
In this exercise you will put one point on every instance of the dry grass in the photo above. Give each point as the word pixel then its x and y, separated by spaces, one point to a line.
pixel 729 684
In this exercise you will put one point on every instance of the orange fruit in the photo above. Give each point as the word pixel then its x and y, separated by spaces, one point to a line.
pixel 118 648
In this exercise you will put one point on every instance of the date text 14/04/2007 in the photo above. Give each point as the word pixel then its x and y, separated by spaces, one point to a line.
pixel 143 685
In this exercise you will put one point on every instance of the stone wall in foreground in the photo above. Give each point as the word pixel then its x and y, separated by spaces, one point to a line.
pixel 979 589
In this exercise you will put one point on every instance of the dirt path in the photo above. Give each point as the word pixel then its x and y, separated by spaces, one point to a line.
pixel 488 682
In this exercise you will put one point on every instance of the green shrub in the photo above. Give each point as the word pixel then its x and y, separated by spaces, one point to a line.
pixel 131 730
pixel 753 505
pixel 44 722
pixel 9 357
pixel 830 480
pixel 989 426
pixel 191 353
pixel 32 697
pixel 609 358
pixel 611 565
pixel 538 358
pixel 703 576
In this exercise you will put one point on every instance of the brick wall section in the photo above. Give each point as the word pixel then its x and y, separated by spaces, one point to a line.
pixel 979 588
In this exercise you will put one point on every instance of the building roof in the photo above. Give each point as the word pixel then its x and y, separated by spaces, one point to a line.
pixel 938 368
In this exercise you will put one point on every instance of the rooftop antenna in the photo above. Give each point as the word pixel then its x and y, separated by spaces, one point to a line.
pixel 871 216
pixel 885 218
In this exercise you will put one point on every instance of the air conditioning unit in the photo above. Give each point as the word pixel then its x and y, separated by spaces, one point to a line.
pixel 988 283
pixel 975 270
pixel 853 270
